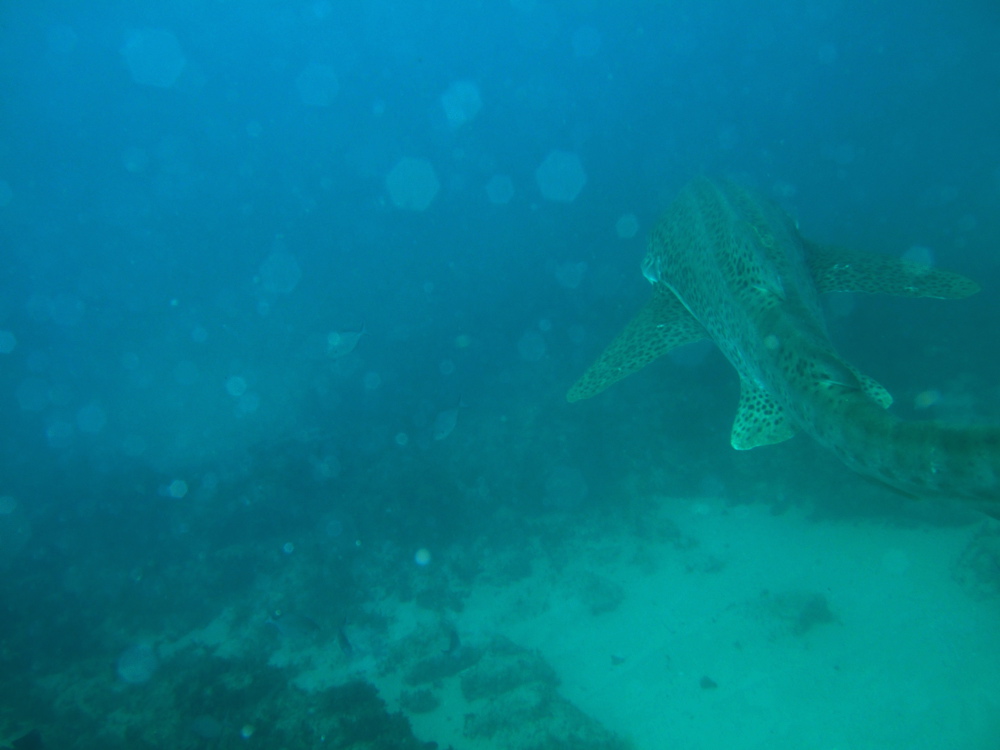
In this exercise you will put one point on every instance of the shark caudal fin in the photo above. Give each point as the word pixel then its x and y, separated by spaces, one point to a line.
pixel 918 458
pixel 661 325
pixel 836 269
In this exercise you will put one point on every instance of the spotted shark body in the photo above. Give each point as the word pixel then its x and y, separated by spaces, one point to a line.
pixel 730 266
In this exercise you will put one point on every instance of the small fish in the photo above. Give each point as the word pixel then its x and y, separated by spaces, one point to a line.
pixel 454 648
pixel 342 343
pixel 345 643
pixel 445 421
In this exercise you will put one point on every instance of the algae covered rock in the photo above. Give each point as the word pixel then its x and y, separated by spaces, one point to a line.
pixel 515 704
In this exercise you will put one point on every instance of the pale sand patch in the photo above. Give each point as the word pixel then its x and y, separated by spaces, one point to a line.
pixel 708 627
pixel 911 661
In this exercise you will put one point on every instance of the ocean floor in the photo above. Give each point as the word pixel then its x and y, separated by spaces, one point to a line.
pixel 734 628
pixel 699 626
pixel 777 632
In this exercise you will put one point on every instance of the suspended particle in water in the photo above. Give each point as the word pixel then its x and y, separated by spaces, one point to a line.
pixel 153 57
pixel 412 184
pixel 627 226
pixel 461 103
pixel 561 176
pixel 236 386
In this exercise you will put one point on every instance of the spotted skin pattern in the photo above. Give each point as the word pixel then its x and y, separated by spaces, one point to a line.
pixel 661 325
pixel 729 265
pixel 835 269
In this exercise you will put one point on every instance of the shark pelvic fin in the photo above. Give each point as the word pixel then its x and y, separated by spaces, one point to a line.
pixel 661 325
pixel 835 269
pixel 875 390
pixel 759 419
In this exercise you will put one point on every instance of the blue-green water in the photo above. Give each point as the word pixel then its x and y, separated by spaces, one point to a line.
pixel 228 518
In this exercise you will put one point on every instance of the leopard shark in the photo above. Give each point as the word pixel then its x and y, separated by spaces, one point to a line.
pixel 728 265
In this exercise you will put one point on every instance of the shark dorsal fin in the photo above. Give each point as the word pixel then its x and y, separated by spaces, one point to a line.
pixel 760 420
pixel 836 269
pixel 661 325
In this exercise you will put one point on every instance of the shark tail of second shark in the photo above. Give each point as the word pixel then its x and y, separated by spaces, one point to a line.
pixel 918 458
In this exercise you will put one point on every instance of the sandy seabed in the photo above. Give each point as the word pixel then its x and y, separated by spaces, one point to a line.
pixel 698 625
pixel 735 628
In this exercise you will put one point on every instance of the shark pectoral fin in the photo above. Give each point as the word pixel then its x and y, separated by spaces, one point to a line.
pixel 835 269
pixel 875 391
pixel 759 419
pixel 661 325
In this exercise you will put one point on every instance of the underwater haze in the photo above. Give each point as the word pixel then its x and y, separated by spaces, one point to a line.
pixel 291 297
